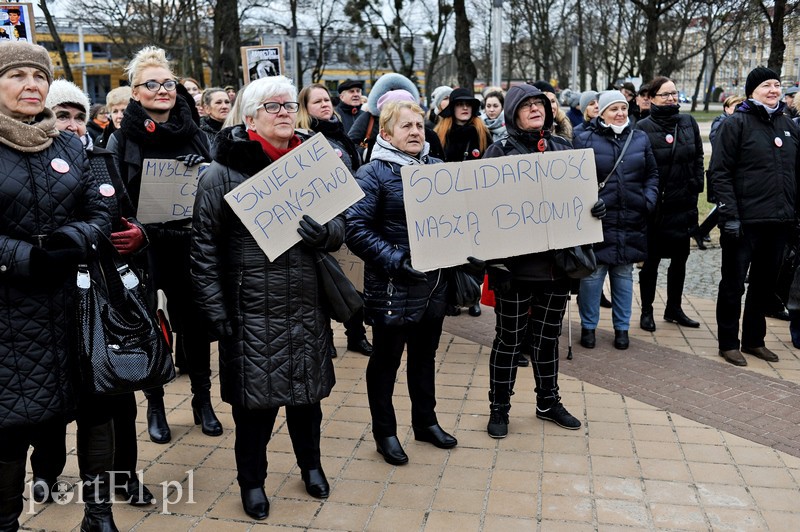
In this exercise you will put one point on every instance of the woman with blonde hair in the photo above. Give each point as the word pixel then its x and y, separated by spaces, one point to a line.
pixel 158 124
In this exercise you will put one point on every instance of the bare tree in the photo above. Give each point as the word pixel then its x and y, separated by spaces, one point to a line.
pixel 775 13
pixel 57 42
pixel 439 15
pixel 463 50
pixel 653 11
pixel 225 58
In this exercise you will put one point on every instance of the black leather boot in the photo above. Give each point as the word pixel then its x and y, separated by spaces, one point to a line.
pixel 95 460
pixel 205 417
pixel 12 484
pixel 157 425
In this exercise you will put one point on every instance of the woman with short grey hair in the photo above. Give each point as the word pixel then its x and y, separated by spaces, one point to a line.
pixel 273 330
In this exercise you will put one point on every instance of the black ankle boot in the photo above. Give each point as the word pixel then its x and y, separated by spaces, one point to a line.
pixel 587 338
pixel 157 425
pixel 205 417
pixel 95 460
pixel 12 484
pixel 621 340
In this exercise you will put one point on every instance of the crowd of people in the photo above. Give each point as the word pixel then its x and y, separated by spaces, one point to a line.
pixel 74 175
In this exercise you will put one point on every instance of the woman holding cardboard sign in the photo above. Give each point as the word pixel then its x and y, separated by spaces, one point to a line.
pixel 158 125
pixel 405 306
pixel 274 333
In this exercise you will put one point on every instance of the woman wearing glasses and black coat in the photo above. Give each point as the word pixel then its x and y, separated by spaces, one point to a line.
pixel 158 124
pixel 678 149
pixel 274 332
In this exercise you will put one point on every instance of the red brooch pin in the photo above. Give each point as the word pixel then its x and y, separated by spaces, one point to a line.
pixel 149 125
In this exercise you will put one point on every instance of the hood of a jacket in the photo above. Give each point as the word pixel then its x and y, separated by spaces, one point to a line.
pixel 386 83
pixel 518 94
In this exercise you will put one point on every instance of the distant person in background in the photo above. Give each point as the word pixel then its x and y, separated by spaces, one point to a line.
pixel 98 120
pixel 493 111
pixel 643 102
pixel 589 108
pixel 575 113
pixel 788 99
pixel 349 106
pixel 192 86
pixel 231 92
pixel 440 99
pixel 116 103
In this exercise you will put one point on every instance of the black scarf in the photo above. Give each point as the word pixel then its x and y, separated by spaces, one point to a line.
pixel 462 143
pixel 664 115
pixel 143 130
pixel 334 129
pixel 210 125
pixel 349 109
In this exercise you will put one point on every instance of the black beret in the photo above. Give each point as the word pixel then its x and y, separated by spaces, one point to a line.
pixel 350 84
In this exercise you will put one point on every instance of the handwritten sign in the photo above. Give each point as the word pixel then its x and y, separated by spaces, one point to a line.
pixel 168 190
pixel 352 266
pixel 311 179
pixel 498 208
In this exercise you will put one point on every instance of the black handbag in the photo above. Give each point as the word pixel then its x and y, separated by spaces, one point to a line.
pixel 343 300
pixel 463 289
pixel 122 345
pixel 577 262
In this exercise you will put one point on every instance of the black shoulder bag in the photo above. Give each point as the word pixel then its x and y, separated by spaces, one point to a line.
pixel 122 346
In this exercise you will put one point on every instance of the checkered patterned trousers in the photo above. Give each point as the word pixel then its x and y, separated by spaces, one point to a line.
pixel 546 301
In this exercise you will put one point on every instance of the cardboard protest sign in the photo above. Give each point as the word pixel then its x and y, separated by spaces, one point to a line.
pixel 352 266
pixel 497 208
pixel 311 179
pixel 168 190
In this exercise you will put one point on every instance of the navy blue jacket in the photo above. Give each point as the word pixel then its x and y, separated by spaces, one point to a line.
pixel 630 194
pixel 377 232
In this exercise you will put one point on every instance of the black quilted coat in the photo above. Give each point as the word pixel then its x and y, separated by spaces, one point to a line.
pixel 630 194
pixel 377 232
pixel 678 149
pixel 279 351
pixel 37 369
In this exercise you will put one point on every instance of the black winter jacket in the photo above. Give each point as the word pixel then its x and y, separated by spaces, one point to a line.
pixel 754 166
pixel 630 194
pixel 38 371
pixel 377 233
pixel 279 351
pixel 533 266
pixel 678 149
pixel 463 143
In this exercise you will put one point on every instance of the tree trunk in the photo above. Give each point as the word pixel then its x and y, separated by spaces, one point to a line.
pixel 59 45
pixel 226 68
pixel 699 80
pixel 466 68
pixel 777 45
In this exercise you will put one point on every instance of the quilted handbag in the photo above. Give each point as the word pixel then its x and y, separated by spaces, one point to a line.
pixel 122 344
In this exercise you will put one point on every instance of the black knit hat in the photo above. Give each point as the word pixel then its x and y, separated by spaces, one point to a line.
pixel 756 77
pixel 543 86
pixel 464 95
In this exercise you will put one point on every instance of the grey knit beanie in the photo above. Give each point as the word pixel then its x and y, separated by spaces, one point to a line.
pixel 17 54
pixel 607 98
pixel 439 94
pixel 587 97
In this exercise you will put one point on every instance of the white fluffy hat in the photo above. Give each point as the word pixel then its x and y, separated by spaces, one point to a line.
pixel 63 91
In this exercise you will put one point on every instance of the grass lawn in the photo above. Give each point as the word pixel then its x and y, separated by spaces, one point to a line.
pixel 705 116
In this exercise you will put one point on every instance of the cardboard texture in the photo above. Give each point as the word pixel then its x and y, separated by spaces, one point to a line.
pixel 311 179
pixel 352 266
pixel 168 190
pixel 498 208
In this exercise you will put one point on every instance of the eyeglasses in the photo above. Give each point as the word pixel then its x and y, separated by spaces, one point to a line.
pixel 667 95
pixel 154 86
pixel 530 103
pixel 274 108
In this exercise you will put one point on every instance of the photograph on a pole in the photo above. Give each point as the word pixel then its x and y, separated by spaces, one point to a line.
pixel 262 61
pixel 16 22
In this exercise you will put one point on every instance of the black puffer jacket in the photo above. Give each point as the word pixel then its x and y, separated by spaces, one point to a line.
pixel 678 149
pixel 279 351
pixel 630 194
pixel 533 266
pixel 377 232
pixel 37 371
pixel 463 143
pixel 754 179
pixel 335 134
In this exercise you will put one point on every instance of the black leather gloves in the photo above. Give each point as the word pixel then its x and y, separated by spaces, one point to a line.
pixel 476 267
pixel 53 267
pixel 407 270
pixel 191 159
pixel 731 228
pixel 312 233
pixel 599 209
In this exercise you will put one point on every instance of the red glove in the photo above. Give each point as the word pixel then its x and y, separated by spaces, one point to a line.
pixel 129 240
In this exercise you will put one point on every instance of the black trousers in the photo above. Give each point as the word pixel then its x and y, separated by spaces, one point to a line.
pixel 254 430
pixel 49 448
pixel 676 276
pixel 759 248
pixel 354 327
pixel 540 305
pixel 421 341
